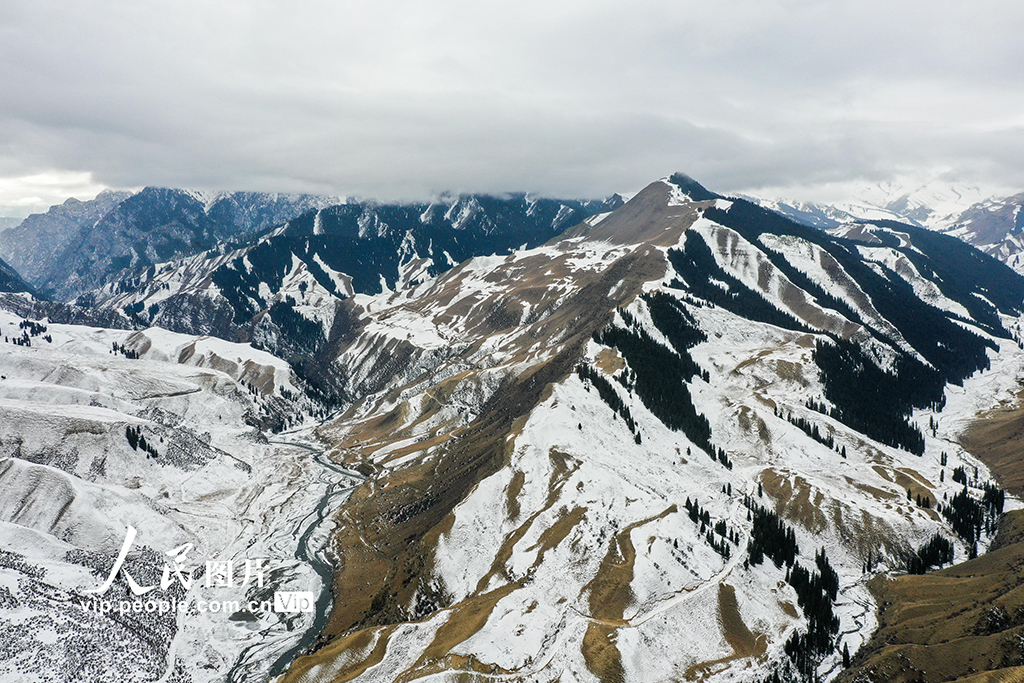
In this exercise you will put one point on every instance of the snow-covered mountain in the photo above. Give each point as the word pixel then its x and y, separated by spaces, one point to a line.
pixel 78 246
pixel 819 215
pixel 286 290
pixel 994 226
pixel 672 440
pixel 932 205
pixel 579 459
pixel 35 243
pixel 991 224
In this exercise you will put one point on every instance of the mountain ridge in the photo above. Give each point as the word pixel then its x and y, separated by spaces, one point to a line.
pixel 406 494
pixel 30 246
pixel 285 289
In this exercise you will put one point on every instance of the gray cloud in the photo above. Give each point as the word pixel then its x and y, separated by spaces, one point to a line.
pixel 405 99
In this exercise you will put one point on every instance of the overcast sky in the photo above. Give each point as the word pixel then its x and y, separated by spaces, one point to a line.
pixel 407 99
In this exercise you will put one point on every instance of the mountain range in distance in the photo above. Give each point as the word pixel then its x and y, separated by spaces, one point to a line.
pixel 79 246
pixel 682 436
pixel 993 224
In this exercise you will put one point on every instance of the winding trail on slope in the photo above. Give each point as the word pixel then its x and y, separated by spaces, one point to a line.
pixel 573 625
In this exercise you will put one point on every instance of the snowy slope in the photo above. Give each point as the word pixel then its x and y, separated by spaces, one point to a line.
pixel 72 483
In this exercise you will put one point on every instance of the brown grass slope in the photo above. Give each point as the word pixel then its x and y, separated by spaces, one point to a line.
pixel 998 440
pixel 961 623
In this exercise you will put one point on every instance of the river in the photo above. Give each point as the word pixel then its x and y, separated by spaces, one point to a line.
pixel 309 538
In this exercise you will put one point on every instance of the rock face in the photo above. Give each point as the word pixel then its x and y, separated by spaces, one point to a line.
pixel 10 280
pixel 34 245
pixel 159 224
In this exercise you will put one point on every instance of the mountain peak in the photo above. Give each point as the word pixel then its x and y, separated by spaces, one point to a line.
pixel 657 214
pixel 694 190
